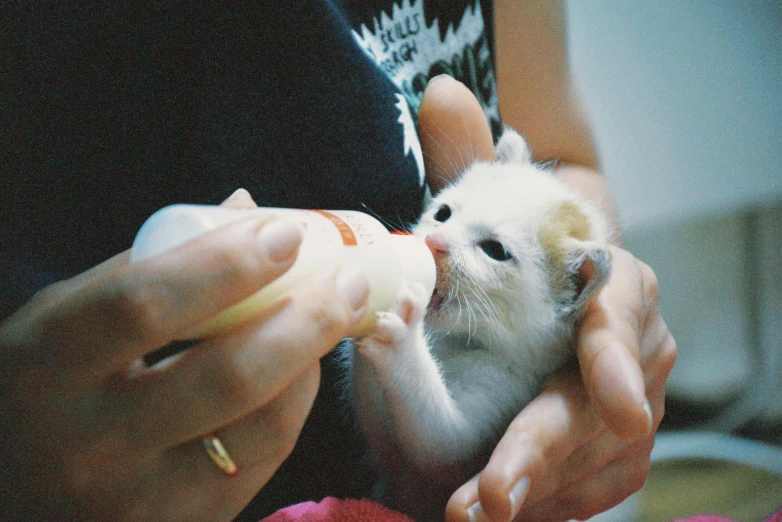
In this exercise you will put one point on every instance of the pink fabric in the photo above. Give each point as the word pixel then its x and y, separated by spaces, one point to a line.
pixel 332 510
pixel 776 517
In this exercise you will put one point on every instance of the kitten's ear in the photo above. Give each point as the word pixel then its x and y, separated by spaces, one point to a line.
pixel 586 269
pixel 579 263
pixel 512 148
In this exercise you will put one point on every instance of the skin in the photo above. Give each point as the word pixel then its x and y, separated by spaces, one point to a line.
pixel 584 444
pixel 98 435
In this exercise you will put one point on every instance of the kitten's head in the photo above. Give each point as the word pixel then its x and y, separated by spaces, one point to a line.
pixel 515 248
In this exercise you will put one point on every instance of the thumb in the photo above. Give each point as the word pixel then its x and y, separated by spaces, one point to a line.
pixel 453 130
pixel 239 199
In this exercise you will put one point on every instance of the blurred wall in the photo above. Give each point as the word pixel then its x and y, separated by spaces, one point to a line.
pixel 685 102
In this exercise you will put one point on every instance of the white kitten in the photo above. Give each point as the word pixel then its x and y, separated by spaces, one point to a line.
pixel 438 381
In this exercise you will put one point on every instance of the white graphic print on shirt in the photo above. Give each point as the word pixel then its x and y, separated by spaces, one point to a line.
pixel 410 53
pixel 412 143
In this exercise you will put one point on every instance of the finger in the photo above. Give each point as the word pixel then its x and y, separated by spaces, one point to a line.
pixel 573 482
pixel 606 447
pixel 613 484
pixel 589 460
pixel 264 438
pixel 544 434
pixel 464 499
pixel 608 351
pixel 258 444
pixel 658 365
pixel 617 384
pixel 586 462
pixel 222 379
pixel 658 347
pixel 239 199
pixel 124 314
pixel 453 130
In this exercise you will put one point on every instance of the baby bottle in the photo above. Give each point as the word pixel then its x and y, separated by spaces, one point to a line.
pixel 344 238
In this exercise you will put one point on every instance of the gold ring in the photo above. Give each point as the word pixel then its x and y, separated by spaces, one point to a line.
pixel 219 455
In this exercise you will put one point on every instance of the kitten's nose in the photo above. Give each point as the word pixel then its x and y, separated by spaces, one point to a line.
pixel 437 244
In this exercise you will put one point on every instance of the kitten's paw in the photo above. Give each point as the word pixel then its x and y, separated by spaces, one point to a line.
pixel 411 304
pixel 390 332
pixel 396 329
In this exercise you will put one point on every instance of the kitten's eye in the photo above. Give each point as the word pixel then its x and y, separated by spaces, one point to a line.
pixel 442 214
pixel 495 250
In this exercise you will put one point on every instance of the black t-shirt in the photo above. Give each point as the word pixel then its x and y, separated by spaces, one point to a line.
pixel 110 111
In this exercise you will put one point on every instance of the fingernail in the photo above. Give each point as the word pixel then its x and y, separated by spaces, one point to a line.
pixel 438 78
pixel 623 372
pixel 281 239
pixel 648 410
pixel 476 514
pixel 237 193
pixel 354 286
pixel 517 495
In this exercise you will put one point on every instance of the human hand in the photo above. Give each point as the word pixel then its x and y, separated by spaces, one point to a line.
pixel 90 432
pixel 584 444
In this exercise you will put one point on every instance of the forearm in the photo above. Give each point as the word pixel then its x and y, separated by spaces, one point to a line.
pixel 538 97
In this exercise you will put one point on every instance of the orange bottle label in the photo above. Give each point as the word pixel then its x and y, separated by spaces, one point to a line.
pixel 348 237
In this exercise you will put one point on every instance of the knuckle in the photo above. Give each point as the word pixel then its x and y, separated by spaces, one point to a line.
pixel 651 285
pixel 137 309
pixel 230 382
pixel 670 349
pixel 328 318
pixel 668 354
pixel 237 265
pixel 241 263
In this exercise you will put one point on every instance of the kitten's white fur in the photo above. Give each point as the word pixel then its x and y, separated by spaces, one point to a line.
pixel 436 384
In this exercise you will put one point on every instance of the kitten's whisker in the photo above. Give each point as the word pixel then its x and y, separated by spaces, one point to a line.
pixel 477 306
pixel 488 303
pixel 482 305
pixel 469 320
pixel 440 166
pixel 442 149
pixel 483 308
pixel 455 322
pixel 487 306
pixel 469 138
pixel 458 149
pixel 457 295
pixel 471 330
pixel 400 225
